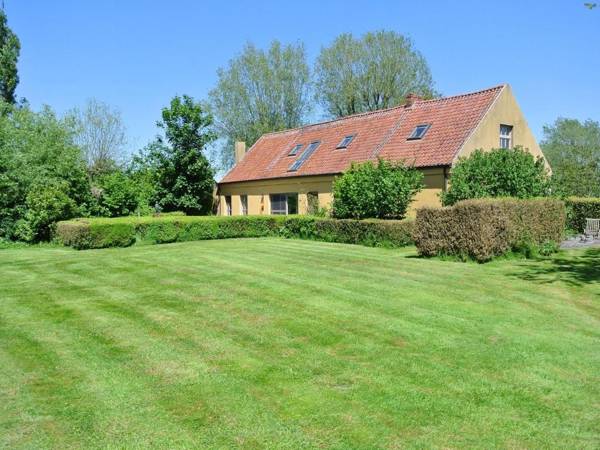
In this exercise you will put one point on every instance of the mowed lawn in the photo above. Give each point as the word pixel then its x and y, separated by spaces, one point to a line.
pixel 272 343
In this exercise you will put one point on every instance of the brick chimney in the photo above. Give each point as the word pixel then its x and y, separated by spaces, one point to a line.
pixel 240 151
pixel 411 99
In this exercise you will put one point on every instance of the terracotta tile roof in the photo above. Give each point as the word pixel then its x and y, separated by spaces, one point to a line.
pixel 381 133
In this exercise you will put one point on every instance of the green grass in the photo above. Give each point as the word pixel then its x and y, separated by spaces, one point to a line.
pixel 270 343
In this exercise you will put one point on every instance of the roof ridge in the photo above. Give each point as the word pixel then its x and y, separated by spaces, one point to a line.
pixel 468 94
pixel 385 110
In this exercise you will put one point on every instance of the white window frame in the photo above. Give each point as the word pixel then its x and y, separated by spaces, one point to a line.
pixel 506 136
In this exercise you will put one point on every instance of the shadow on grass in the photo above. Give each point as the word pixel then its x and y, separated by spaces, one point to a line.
pixel 576 269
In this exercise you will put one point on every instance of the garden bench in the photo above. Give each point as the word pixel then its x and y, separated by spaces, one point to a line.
pixel 592 228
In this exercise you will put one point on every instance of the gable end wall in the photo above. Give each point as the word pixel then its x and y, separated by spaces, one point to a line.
pixel 505 110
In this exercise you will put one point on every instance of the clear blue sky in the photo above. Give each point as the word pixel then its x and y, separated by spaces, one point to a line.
pixel 136 54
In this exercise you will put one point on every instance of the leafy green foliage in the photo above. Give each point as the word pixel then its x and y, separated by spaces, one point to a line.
pixel 10 47
pixel 381 191
pixel 93 233
pixel 497 173
pixel 573 151
pixel 370 233
pixel 484 228
pixel 42 174
pixel 46 204
pixel 183 177
pixel 373 72
pixel 117 194
pixel 99 233
pixel 579 209
pixel 259 92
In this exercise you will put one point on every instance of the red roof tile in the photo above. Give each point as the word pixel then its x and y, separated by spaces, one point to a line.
pixel 381 133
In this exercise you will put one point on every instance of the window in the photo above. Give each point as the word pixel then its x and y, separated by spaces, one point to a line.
pixel 304 156
pixel 278 204
pixel 228 205
pixel 419 131
pixel 294 151
pixel 282 204
pixel 506 136
pixel 244 205
pixel 312 200
pixel 346 141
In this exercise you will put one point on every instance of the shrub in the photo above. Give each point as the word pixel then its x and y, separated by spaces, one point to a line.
pixel 381 191
pixel 46 204
pixel 497 173
pixel 482 229
pixel 124 231
pixel 117 195
pixel 89 233
pixel 195 228
pixel 372 233
pixel 579 209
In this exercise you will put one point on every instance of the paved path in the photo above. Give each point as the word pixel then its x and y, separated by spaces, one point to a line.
pixel 576 242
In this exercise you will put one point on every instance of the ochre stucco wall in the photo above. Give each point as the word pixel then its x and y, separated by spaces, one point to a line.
pixel 259 202
pixel 505 111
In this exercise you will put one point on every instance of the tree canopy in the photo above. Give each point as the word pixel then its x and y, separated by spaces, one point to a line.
pixel 259 92
pixel 10 47
pixel 573 150
pixel 101 134
pixel 42 174
pixel 184 179
pixel 375 71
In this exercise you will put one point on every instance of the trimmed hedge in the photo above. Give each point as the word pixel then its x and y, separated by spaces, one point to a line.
pixel 125 231
pixel 370 232
pixel 482 229
pixel 83 234
pixel 579 209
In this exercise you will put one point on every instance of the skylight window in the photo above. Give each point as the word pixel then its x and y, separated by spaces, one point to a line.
pixel 304 156
pixel 346 141
pixel 294 151
pixel 419 131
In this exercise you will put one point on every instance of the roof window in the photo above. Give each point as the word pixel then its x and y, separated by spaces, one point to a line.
pixel 304 156
pixel 294 151
pixel 346 141
pixel 419 131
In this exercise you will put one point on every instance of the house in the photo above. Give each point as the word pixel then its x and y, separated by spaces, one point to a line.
pixel 292 171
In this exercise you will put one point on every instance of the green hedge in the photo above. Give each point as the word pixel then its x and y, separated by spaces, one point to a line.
pixel 84 234
pixel 125 231
pixel 370 232
pixel 579 209
pixel 482 229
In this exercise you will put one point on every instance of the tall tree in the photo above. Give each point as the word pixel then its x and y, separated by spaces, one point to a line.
pixel 183 176
pixel 10 47
pixel 573 151
pixel 373 72
pixel 42 174
pixel 260 91
pixel 101 135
